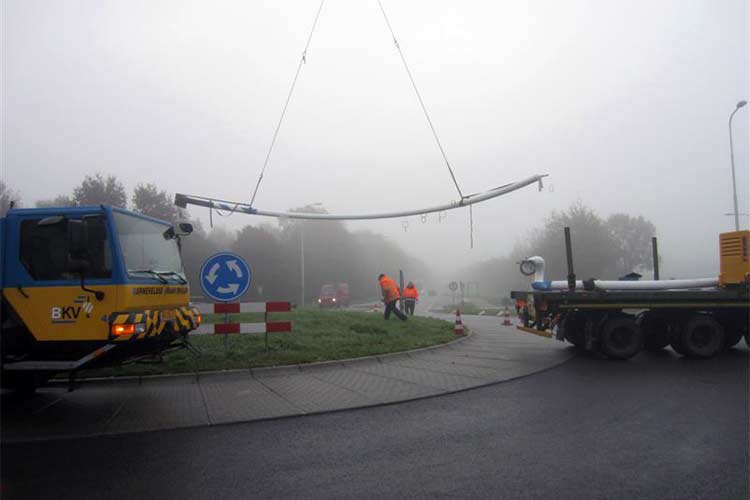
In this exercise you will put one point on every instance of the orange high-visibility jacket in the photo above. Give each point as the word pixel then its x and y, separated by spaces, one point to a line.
pixel 411 293
pixel 390 289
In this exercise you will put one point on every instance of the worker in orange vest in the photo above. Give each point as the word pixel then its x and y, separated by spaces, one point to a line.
pixel 411 294
pixel 520 304
pixel 390 297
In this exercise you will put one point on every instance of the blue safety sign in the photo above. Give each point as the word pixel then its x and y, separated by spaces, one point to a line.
pixel 225 277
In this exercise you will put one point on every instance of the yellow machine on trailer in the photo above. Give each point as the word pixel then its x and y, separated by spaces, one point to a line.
pixel 87 287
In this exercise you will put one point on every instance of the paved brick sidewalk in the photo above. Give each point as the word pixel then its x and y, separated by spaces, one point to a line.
pixel 493 353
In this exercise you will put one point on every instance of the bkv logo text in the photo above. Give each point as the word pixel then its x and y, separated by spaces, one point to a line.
pixel 67 314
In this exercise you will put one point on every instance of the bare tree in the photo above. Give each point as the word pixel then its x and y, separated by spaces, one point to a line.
pixel 594 248
pixel 98 190
pixel 7 195
pixel 149 200
pixel 632 235
pixel 62 200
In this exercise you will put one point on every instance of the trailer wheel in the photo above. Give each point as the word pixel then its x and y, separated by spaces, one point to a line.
pixel 676 343
pixel 621 337
pixel 574 326
pixel 702 337
pixel 656 328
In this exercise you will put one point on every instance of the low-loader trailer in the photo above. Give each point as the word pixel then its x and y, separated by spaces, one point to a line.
pixel 697 318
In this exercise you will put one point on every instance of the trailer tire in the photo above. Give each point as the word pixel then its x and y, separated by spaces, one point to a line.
pixel 656 330
pixel 676 344
pixel 574 329
pixel 621 337
pixel 702 337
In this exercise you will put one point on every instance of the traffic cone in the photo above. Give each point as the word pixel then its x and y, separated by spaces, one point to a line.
pixel 459 330
pixel 506 318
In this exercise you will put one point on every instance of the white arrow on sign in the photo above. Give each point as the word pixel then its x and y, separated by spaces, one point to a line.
pixel 211 276
pixel 232 265
pixel 229 288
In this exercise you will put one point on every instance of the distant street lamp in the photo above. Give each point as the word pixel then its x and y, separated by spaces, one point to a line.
pixel 731 155
pixel 301 226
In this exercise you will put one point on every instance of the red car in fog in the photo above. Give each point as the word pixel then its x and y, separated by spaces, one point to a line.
pixel 327 297
pixel 334 296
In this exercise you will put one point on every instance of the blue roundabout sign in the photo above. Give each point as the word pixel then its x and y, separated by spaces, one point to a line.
pixel 225 277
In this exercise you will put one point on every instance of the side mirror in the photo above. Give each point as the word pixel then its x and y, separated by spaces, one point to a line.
pixel 183 229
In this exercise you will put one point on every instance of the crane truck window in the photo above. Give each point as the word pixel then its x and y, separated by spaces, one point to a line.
pixel 147 247
pixel 44 250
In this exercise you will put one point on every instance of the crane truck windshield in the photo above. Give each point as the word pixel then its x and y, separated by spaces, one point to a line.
pixel 149 249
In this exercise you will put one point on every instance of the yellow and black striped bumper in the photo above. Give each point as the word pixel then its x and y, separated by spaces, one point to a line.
pixel 151 324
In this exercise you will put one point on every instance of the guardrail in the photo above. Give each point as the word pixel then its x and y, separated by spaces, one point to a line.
pixel 228 308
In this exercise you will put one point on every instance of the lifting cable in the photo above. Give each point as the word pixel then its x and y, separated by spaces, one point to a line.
pixel 419 96
pixel 303 60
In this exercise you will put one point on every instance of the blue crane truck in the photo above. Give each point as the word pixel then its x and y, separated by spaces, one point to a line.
pixel 87 287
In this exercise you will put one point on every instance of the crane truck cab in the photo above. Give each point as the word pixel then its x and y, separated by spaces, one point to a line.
pixel 86 287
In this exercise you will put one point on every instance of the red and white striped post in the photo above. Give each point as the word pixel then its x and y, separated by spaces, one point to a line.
pixel 459 329
pixel 245 307
pixel 506 318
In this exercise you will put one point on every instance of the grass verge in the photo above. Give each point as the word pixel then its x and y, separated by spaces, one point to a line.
pixel 316 336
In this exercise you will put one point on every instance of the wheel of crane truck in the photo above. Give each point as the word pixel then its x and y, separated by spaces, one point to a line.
pixel 656 328
pixel 621 337
pixel 574 329
pixel 702 336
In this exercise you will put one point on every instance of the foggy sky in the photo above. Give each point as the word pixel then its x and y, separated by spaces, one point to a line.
pixel 624 104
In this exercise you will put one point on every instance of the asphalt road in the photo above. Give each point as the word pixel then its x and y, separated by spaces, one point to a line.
pixel 656 427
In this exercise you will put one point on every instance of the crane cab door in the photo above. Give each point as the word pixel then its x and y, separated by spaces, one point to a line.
pixel 46 303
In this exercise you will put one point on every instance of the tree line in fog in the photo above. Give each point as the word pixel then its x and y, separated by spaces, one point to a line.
pixel 603 248
pixel 332 253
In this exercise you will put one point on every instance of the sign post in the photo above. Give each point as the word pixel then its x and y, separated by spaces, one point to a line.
pixel 225 277
pixel 453 286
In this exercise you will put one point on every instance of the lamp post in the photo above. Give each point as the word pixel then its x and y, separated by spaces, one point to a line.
pixel 731 155
pixel 302 261
pixel 307 208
